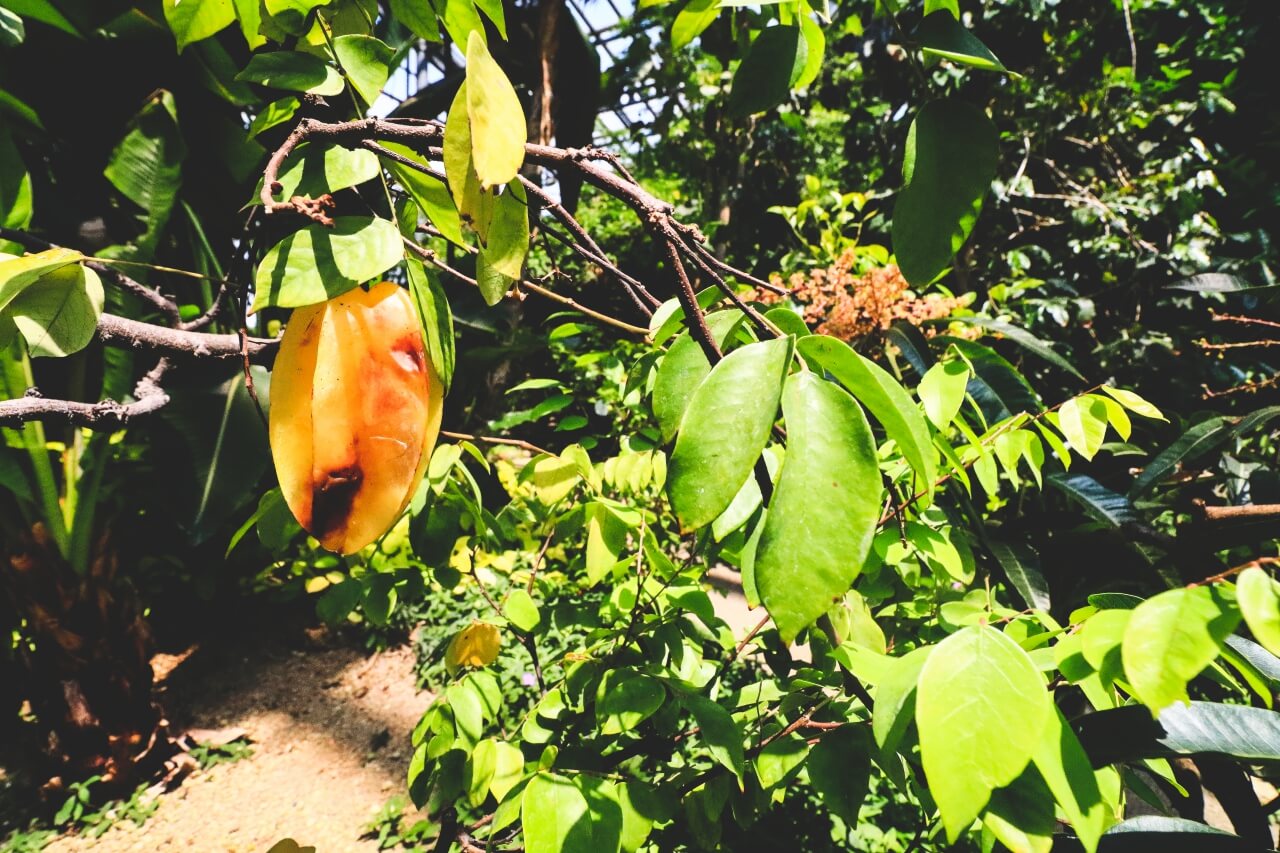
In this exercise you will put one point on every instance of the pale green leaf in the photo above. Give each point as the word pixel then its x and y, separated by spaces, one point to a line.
pixel 981 710
pixel 1171 638
pixel 1259 599
pixel 367 63
pixel 193 20
pixel 942 391
pixel 508 239
pixel 695 17
pixel 296 72
pixel 58 314
pixel 1083 420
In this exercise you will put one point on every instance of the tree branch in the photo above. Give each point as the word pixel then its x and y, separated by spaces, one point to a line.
pixel 149 397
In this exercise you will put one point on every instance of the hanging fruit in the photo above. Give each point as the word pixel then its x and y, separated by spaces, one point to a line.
pixel 355 411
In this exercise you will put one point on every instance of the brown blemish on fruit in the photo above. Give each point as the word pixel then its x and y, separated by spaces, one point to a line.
pixel 407 353
pixel 332 497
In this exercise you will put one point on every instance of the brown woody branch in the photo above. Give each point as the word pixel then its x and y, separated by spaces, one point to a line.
pixel 149 396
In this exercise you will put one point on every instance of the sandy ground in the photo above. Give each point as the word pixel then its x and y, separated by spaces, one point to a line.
pixel 330 729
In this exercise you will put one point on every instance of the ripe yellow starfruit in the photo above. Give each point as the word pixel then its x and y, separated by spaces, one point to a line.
pixel 355 412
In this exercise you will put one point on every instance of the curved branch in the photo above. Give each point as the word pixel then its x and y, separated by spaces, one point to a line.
pixel 149 396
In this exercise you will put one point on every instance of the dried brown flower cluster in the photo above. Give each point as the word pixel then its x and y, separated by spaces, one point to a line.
pixel 839 302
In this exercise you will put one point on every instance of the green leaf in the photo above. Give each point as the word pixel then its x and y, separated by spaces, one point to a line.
pixel 1022 568
pixel 1157 832
pixel 468 711
pixel 435 317
pixel 274 114
pixel 942 36
pixel 625 699
pixel 1198 440
pixel 493 11
pixel 15 185
pixel 508 770
pixel 725 428
pixel 695 17
pixel 249 15
pixel 949 163
pixel 418 16
pixel 313 170
pixel 1216 282
pixel 1020 815
pixel 146 167
pixel 58 314
pixel 508 239
pixel 780 760
pixel 318 263
pixel 840 770
pixel 1083 420
pixel 12 31
pixel 1065 767
pixel 367 63
pixel 555 816
pixel 888 402
pixel 17 274
pixel 1099 502
pixel 981 709
pixel 292 15
pixel 1022 338
pixel 480 767
pixel 44 12
pixel 498 130
pixel 942 391
pixel 494 284
pixel 1133 403
pixel 824 512
pixel 775 63
pixel 1170 638
pixel 460 20
pixel 193 20
pixel 815 46
pixel 719 733
pixel 896 698
pixel 642 806
pixel 682 370
pixel 431 194
pixel 1259 599
pixel 296 72
pixel 522 611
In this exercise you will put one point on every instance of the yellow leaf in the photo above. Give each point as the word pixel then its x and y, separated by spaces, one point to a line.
pixel 475 206
pixel 498 131
pixel 475 645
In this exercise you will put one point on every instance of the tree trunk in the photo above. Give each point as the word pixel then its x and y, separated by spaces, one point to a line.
pixel 84 666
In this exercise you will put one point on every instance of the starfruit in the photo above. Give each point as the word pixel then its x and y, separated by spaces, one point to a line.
pixel 355 411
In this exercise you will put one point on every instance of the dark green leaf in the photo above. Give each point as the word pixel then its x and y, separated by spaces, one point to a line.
pixel 1022 568
pixel 1022 338
pixel 1099 503
pixel 296 72
pixel 418 16
pixel 718 732
pixel 942 36
pixel 1169 835
pixel 1196 441
pixel 950 161
pixel 625 699
pixel 146 167
pixel 840 770
pixel 775 63
pixel 824 512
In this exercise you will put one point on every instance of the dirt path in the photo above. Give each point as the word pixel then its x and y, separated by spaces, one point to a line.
pixel 330 729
